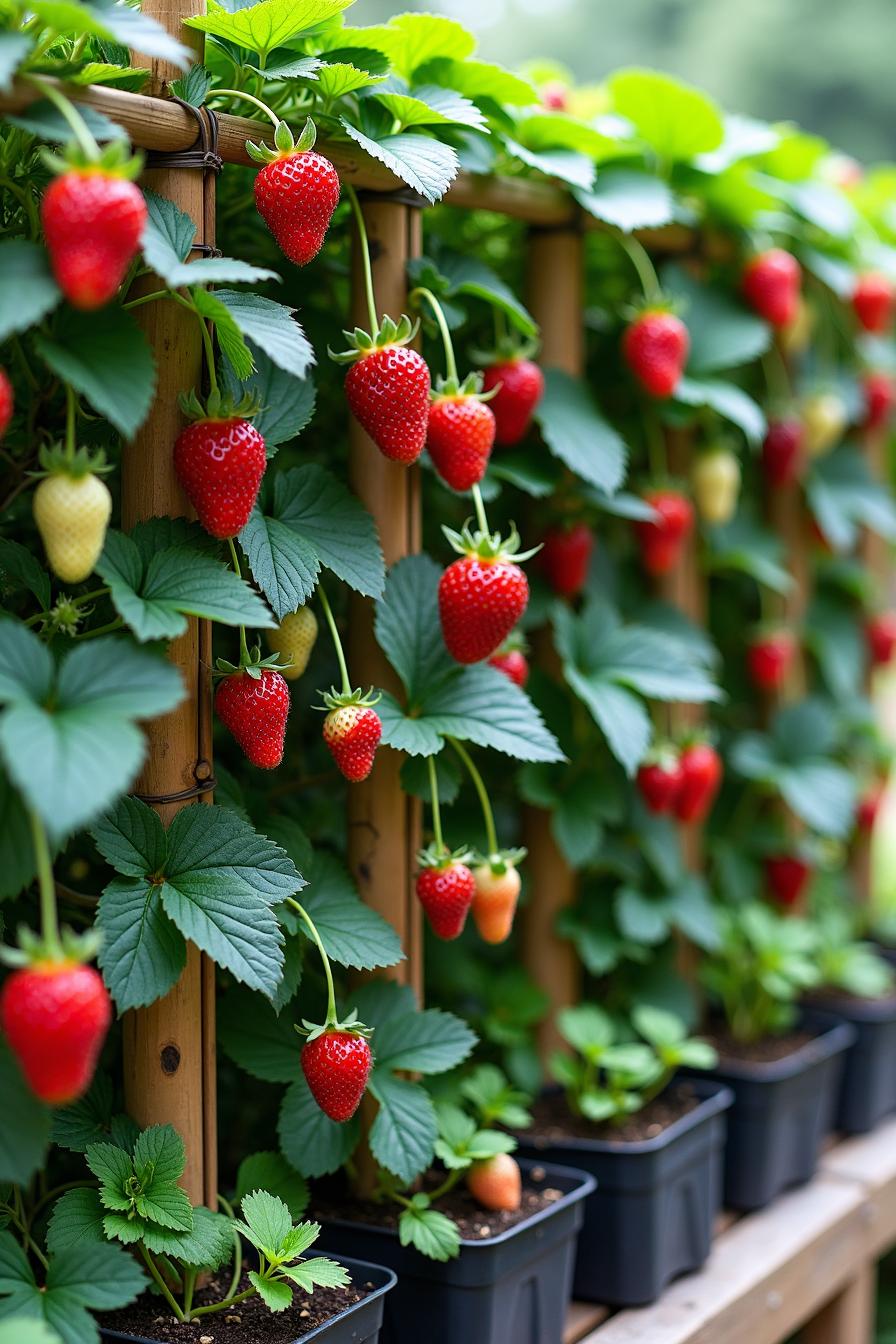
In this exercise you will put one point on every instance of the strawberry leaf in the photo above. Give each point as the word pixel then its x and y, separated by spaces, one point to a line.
pixel 272 1172
pixel 255 1038
pixel 271 326
pixel 430 1232
pixel 24 1125
pixel 313 1143
pixel 403 1135
pixel 27 288
pixel 576 432
pixel 76 1217
pixel 425 164
pixel 269 24
pixel 106 357
pixel 629 200
pixel 674 119
pixel 352 933
pixel 426 1042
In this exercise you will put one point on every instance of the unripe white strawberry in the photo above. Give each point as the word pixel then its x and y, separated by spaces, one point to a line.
pixel 294 639
pixel 824 418
pixel 716 484
pixel 72 513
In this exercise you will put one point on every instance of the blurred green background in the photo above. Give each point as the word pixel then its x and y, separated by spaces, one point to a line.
pixel 828 66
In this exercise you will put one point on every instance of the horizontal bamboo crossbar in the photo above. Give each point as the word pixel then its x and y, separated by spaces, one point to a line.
pixel 161 124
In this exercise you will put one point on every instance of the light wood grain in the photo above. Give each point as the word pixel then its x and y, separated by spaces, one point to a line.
pixel 849 1317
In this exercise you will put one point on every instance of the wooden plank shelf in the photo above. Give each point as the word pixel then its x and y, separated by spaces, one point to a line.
pixel 805 1263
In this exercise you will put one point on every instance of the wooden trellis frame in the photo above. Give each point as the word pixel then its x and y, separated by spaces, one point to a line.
pixel 809 1259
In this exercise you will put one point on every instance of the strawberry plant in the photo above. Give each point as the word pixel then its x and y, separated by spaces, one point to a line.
pixel 762 967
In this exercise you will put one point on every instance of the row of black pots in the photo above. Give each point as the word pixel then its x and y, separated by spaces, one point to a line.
pixel 631 1216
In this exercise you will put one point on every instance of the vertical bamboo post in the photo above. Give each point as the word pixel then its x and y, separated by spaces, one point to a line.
pixel 169 1047
pixel 556 299
pixel 384 823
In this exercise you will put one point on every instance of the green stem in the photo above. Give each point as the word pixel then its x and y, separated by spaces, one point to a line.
pixel 249 98
pixel 777 379
pixel 147 298
pixel 656 446
pixel 331 1018
pixel 49 918
pixel 449 1183
pixel 189 1286
pixel 238 1249
pixel 74 119
pixel 479 506
pixel 436 814
pixel 209 348
pixel 337 642
pixel 235 561
pixel 106 629
pixel 71 417
pixel 219 1306
pixel 365 256
pixel 161 1284
pixel 441 322
pixel 487 814
pixel 647 276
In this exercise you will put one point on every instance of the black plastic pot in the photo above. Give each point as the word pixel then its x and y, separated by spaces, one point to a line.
pixel 651 1217
pixel 781 1113
pixel 868 1084
pixel 511 1289
pixel 358 1324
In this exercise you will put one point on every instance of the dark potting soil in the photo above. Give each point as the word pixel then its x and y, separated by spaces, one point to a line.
pixel 473 1222
pixel 766 1051
pixel 248 1322
pixel 553 1121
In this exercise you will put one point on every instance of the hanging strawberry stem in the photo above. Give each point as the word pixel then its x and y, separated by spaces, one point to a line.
pixel 656 446
pixel 444 331
pixel 332 1019
pixel 71 432
pixel 479 785
pixel 235 561
pixel 337 642
pixel 88 146
pixel 647 275
pixel 365 257
pixel 436 812
pixel 49 916
pixel 250 98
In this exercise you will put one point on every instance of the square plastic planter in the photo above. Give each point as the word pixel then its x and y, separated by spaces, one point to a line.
pixel 358 1324
pixel 868 1083
pixel 781 1113
pixel 510 1289
pixel 651 1217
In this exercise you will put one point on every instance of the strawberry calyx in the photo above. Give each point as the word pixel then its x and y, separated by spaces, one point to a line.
pixel 663 754
pixel 333 699
pixel 488 546
pixel 654 305
pixel 363 343
pixel 113 160
pixel 500 860
pixel 349 1024
pixel 74 949
pixel 252 663
pixel 508 349
pixel 219 405
pixel 440 858
pixel 471 386
pixel 285 143
pixel 58 461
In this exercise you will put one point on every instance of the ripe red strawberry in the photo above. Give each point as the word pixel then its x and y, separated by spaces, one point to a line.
pixel 873 301
pixel 880 399
pixel 494 904
pixel 459 437
pixel 700 770
pixel 771 285
pixel 880 636
pixel 352 733
pixel 869 805
pixel 565 556
pixel 513 663
pixel 656 347
pixel 55 1015
pixel 783 452
pixel 661 538
pixel 482 595
pixel 786 877
pixel 520 384
pixel 496 1183
pixel 770 658
pixel 220 462
pixel 336 1064
pixel 445 888
pixel 6 402
pixel 255 709
pixel 92 221
pixel 296 192
pixel 659 781
pixel 388 394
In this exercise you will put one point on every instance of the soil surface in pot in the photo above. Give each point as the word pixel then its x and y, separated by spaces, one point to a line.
pixel 766 1051
pixel 474 1223
pixel 554 1121
pixel 248 1322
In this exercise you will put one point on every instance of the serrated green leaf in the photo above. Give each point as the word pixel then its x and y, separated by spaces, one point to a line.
pixel 100 1276
pixel 407 625
pixel 296 67
pixel 425 164
pixel 113 1168
pixel 423 1042
pixel 267 1221
pixel 159 1155
pixel 272 1172
pixel 27 288
pixel 76 1217
pixel 461 274
pixel 272 23
pixel 19 568
pixel 14 47
pixel 576 170
pixel 312 1142
pixel 724 335
pixel 24 1125
pixel 166 244
pixel 675 120
pixel 352 933
pixel 577 433
pixel 728 400
pixel 478 79
pixel 320 510
pixel 253 1036
pixel 318 1272
pixel 410 40
pixel 629 200
pixel 275 1294
pixel 430 1232
pixel 104 356
pixel 287 403
pixel 269 325
pixel 230 339
pixel 404 1132
pixel 284 565
pixel 86 1120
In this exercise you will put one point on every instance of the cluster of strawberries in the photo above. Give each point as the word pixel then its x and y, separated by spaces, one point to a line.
pixel 681 783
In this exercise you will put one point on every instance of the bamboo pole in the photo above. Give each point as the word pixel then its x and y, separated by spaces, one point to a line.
pixel 556 300
pixel 169 1047
pixel 384 823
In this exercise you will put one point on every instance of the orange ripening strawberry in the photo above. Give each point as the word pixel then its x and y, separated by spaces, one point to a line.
pixel 771 284
pixel 565 556
pixel 336 1063
pixel 656 347
pixel 497 893
pixel 513 663
pixel 253 702
pixel 445 888
pixel 520 384
pixel 352 732
pixel 496 1183
pixel 6 402
pixel 482 595
pixel 873 301
pixel 662 537
pixel 460 433
pixel 880 399
pixel 92 219
pixel 387 388
pixel 55 1015
pixel 220 459
pixel 296 192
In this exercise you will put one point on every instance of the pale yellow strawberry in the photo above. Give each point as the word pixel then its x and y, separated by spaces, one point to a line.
pixel 72 513
pixel 716 483
pixel 824 418
pixel 294 639
pixel 494 904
